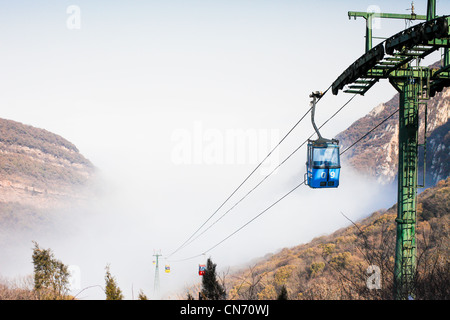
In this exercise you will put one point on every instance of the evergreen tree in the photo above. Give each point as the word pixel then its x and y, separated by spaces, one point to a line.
pixel 142 296
pixel 51 276
pixel 189 296
pixel 283 295
pixel 211 288
pixel 112 290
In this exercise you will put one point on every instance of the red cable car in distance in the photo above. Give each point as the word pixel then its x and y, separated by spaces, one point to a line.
pixel 201 269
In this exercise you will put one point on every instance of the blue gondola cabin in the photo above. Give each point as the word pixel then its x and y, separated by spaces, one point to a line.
pixel 323 164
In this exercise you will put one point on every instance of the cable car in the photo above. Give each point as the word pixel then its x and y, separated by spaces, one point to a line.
pixel 323 160
pixel 323 164
pixel 167 268
pixel 201 269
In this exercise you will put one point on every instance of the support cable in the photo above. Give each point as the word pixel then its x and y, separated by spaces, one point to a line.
pixel 390 116
pixel 251 173
pixel 275 169
pixel 288 193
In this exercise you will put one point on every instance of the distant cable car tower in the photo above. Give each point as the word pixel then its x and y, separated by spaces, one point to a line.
pixel 156 281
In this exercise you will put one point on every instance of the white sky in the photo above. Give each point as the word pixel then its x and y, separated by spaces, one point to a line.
pixel 136 72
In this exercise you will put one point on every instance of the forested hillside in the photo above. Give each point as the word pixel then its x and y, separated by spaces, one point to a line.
pixel 335 266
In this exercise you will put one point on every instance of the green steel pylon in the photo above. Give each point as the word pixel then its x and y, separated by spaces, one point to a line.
pixel 393 60
pixel 410 90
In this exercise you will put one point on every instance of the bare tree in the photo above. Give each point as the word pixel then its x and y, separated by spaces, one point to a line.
pixel 249 285
pixel 431 279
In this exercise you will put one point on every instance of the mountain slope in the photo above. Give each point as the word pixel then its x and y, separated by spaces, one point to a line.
pixel 335 266
pixel 40 174
pixel 37 167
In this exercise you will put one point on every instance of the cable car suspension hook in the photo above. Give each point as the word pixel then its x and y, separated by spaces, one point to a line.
pixel 315 97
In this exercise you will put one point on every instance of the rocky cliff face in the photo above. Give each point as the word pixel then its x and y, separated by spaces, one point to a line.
pixel 438 147
pixel 38 168
pixel 377 154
